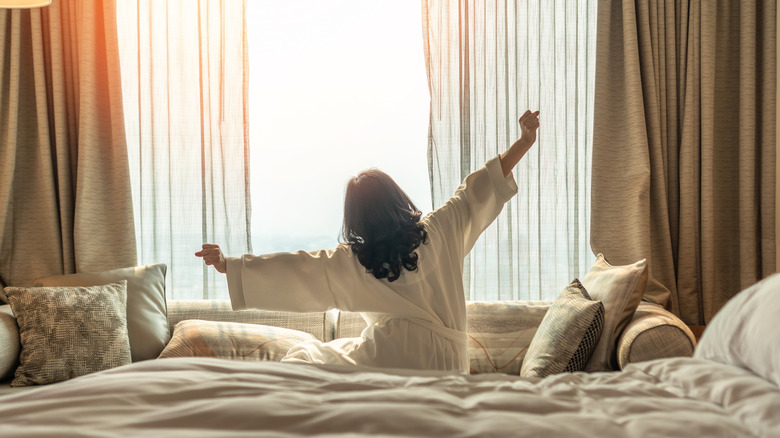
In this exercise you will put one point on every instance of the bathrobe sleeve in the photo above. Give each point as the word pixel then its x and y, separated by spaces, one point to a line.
pixel 474 206
pixel 309 282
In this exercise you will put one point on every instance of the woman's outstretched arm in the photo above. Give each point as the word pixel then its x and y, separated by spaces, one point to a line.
pixel 529 123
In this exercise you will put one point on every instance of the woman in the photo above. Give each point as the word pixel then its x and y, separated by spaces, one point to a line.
pixel 402 272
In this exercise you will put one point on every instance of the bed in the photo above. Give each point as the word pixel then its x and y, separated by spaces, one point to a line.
pixel 728 389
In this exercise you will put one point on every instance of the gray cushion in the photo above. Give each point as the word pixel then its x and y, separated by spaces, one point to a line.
pixel 231 340
pixel 68 332
pixel 567 336
pixel 147 322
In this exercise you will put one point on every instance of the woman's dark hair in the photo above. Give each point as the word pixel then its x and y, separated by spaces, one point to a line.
pixel 382 225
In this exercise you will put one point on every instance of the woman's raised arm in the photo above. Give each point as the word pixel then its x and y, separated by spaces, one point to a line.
pixel 529 123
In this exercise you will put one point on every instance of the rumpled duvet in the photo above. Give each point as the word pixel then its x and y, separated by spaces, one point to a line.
pixel 198 397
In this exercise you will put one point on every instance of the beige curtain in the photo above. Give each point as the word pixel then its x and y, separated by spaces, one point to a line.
pixel 65 202
pixel 684 146
pixel 487 63
pixel 184 80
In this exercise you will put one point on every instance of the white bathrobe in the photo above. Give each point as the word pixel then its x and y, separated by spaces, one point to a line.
pixel 417 321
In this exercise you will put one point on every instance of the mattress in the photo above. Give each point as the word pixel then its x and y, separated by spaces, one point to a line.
pixel 201 397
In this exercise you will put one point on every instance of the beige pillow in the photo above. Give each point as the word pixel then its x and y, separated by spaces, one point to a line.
pixel 567 335
pixel 620 289
pixel 147 320
pixel 232 340
pixel 68 332
pixel 500 332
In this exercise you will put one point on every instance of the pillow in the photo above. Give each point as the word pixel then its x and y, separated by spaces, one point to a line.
pixel 9 342
pixel 232 340
pixel 500 332
pixel 68 332
pixel 567 336
pixel 745 332
pixel 147 320
pixel 620 289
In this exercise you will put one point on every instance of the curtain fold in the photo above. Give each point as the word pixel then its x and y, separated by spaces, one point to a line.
pixel 684 146
pixel 184 71
pixel 65 200
pixel 487 63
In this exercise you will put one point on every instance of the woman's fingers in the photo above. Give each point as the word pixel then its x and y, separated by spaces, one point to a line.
pixel 524 116
pixel 212 256
pixel 528 118
pixel 208 249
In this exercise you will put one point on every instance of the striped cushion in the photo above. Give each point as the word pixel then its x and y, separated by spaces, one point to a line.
pixel 231 340
pixel 221 310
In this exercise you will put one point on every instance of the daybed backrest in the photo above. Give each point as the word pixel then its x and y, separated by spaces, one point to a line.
pixel 483 317
pixel 499 332
pixel 218 310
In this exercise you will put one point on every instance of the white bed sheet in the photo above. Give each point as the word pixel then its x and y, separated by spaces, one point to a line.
pixel 212 397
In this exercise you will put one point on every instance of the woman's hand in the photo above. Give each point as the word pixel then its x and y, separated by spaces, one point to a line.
pixel 213 256
pixel 529 123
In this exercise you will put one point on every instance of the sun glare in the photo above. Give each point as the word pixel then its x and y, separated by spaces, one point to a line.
pixel 334 88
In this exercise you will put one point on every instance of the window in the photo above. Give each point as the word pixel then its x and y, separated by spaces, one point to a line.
pixel 335 88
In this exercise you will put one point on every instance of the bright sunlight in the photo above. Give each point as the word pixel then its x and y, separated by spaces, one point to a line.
pixel 334 88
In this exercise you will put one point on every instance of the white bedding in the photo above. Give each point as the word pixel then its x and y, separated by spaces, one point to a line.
pixel 213 397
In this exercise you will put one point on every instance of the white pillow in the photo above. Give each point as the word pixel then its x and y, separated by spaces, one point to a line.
pixel 620 289
pixel 745 331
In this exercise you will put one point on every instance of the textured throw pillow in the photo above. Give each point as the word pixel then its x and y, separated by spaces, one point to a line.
pixel 231 340
pixel 620 289
pixel 500 332
pixel 147 321
pixel 68 332
pixel 567 335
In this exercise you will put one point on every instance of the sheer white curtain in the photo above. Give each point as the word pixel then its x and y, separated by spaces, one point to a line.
pixel 488 62
pixel 184 87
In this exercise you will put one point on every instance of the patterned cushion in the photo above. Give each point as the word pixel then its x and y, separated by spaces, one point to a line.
pixel 500 332
pixel 620 289
pixel 567 335
pixel 231 340
pixel 147 324
pixel 67 332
